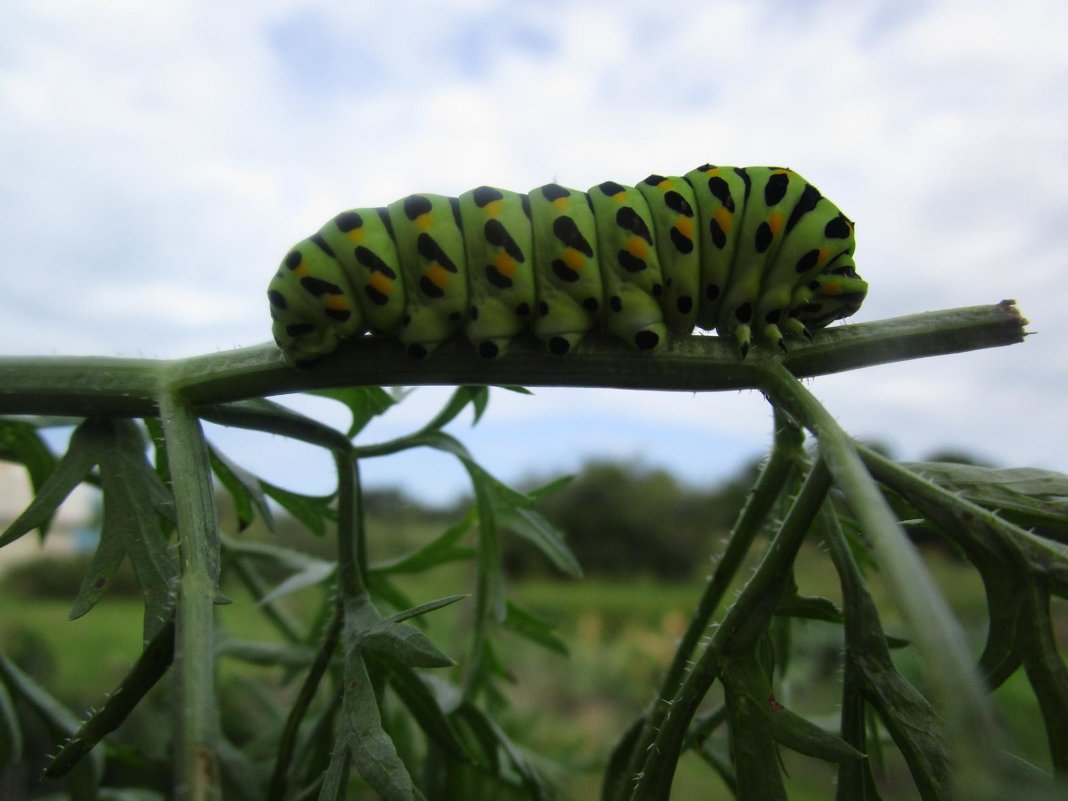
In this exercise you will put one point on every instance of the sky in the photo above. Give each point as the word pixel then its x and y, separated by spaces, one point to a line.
pixel 158 160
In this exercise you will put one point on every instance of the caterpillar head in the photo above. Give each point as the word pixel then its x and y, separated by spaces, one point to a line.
pixel 837 293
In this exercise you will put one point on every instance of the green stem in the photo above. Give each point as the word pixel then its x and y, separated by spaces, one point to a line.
pixel 939 640
pixel 143 676
pixel 127 387
pixel 350 528
pixel 276 791
pixel 198 549
pixel 743 624
pixel 771 483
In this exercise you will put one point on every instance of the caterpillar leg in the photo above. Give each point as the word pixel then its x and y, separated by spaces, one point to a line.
pixel 773 336
pixel 492 347
pixel 562 344
pixel 743 338
pixel 650 337
pixel 797 328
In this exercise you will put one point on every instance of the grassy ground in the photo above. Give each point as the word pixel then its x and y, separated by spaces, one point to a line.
pixel 621 634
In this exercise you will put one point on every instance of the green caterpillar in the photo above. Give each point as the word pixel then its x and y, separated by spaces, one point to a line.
pixel 750 252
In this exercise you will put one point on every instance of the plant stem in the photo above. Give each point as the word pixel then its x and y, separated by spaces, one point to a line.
pixel 743 624
pixel 939 640
pixel 127 387
pixel 276 790
pixel 197 770
pixel 349 528
pixel 773 479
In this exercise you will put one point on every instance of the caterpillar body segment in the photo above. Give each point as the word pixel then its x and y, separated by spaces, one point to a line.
pixel 756 253
pixel 500 267
pixel 567 273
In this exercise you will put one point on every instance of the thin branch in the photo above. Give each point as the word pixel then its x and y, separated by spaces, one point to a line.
pixel 126 387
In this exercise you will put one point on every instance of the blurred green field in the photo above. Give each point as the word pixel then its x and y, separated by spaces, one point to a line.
pixel 620 635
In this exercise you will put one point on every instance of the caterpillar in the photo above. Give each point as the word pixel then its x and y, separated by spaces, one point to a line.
pixel 756 253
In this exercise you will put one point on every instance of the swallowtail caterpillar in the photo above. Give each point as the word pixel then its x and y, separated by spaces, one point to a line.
pixel 756 253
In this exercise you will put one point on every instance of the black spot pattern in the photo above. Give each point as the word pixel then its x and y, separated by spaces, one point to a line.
pixel 369 259
pixel 682 243
pixel 629 220
pixel 591 304
pixel 838 228
pixel 629 262
pixel 319 287
pixel 496 234
pixel 348 221
pixel 277 299
pixel 742 173
pixel 684 304
pixel 485 195
pixel 383 215
pixel 808 261
pixel 615 303
pixel 810 197
pixel 611 188
pixel 488 350
pixel 721 191
pixel 559 346
pixel 719 237
pixel 415 205
pixel 554 192
pixel 763 237
pixel 430 289
pixel 677 203
pixel 565 229
pixel 376 297
pixel 293 259
pixel 497 278
pixel 321 244
pixel 563 272
pixel 430 250
pixel 775 189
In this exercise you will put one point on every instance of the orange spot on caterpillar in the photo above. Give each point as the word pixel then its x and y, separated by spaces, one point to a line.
pixel 336 302
pixel 573 259
pixel 437 275
pixel 775 222
pixel 724 218
pixel 637 247
pixel 561 203
pixel 684 225
pixel 505 264
pixel 493 208
pixel 423 221
pixel 381 283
